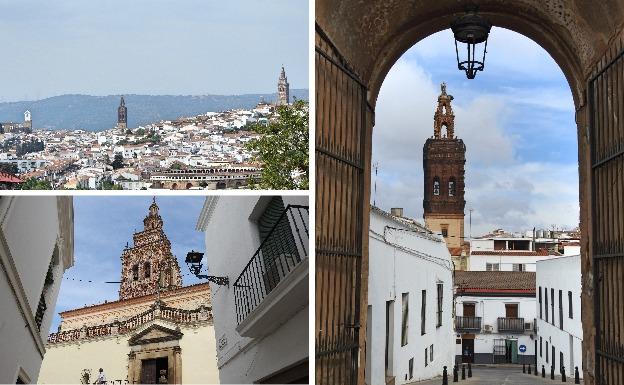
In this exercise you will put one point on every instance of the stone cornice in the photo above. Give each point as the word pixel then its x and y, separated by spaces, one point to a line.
pixel 134 301
pixel 206 213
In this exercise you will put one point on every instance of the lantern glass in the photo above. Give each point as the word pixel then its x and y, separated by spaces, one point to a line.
pixel 472 30
pixel 194 257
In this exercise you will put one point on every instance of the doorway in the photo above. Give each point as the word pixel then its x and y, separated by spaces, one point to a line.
pixel 389 337
pixel 154 371
pixel 511 351
pixel 467 350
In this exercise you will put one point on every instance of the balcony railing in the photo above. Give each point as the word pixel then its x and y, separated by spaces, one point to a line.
pixel 467 324
pixel 511 325
pixel 282 250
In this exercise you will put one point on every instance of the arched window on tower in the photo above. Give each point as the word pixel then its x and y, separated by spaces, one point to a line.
pixel 451 187
pixel 436 186
pixel 148 269
pixel 135 272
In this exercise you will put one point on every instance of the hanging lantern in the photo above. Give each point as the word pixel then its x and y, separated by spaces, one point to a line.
pixel 472 30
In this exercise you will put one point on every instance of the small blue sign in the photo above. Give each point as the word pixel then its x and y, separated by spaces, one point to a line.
pixel 522 348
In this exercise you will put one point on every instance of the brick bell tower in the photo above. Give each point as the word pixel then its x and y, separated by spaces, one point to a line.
pixel 122 114
pixel 149 263
pixel 444 157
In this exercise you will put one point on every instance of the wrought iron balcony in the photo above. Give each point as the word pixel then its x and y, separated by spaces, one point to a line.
pixel 467 324
pixel 41 308
pixel 285 246
pixel 511 325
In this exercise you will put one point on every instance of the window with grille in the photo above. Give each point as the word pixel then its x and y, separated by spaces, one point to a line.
pixel 519 267
pixel 440 300
pixel 492 266
pixel 436 186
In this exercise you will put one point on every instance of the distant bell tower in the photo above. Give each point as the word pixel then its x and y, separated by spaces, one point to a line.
pixel 27 116
pixel 122 114
pixel 444 158
pixel 283 89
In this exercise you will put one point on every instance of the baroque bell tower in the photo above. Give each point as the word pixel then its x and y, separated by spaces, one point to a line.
pixel 283 89
pixel 122 114
pixel 444 158
pixel 149 266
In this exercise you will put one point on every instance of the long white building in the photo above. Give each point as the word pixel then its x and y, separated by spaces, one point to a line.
pixel 36 247
pixel 410 301
pixel 495 314
pixel 559 328
pixel 261 245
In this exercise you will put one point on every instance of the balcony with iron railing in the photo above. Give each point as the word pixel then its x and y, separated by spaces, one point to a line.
pixel 273 284
pixel 511 325
pixel 468 324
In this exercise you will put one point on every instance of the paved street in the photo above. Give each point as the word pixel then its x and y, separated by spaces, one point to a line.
pixel 499 375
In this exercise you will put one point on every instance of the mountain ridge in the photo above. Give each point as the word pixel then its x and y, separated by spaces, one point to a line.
pixel 97 113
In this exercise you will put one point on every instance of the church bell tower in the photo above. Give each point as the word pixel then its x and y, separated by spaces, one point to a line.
pixel 283 89
pixel 444 158
pixel 122 114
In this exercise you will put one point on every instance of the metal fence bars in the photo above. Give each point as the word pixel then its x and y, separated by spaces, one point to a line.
pixel 343 121
pixel 285 246
pixel 511 325
pixel 605 94
pixel 467 324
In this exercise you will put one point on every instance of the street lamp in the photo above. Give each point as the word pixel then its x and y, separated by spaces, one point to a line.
pixel 471 29
pixel 193 260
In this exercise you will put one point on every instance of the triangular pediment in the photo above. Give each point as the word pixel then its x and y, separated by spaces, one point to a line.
pixel 155 334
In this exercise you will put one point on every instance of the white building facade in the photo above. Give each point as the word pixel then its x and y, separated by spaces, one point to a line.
pixel 36 247
pixel 410 301
pixel 495 314
pixel 559 328
pixel 261 245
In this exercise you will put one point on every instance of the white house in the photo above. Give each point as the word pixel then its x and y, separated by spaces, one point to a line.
pixel 508 260
pixel 261 245
pixel 36 247
pixel 410 301
pixel 495 314
pixel 559 328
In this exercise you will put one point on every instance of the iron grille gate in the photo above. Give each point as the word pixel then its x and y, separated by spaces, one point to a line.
pixel 606 127
pixel 341 129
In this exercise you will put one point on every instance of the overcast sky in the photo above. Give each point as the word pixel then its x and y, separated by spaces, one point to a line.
pixel 516 118
pixel 103 225
pixel 182 47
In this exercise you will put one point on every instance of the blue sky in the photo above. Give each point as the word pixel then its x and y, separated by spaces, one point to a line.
pixel 103 225
pixel 177 47
pixel 516 118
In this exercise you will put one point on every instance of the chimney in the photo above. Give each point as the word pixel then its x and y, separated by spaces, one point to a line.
pixel 397 211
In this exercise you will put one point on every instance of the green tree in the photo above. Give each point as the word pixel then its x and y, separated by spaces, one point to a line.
pixel 10 168
pixel 283 149
pixel 176 165
pixel 118 162
pixel 35 184
pixel 109 185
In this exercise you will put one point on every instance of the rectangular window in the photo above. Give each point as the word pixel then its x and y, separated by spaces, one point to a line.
pixel 404 318
pixel 440 299
pixel 411 368
pixel 570 313
pixel 426 357
pixel 540 302
pixel 511 310
pixel 492 266
pixel 540 346
pixel 560 309
pixel 546 351
pixel 518 267
pixel 546 304
pixel 431 353
pixel 423 310
pixel 445 232
pixel 552 306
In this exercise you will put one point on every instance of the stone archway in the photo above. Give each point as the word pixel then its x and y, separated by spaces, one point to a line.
pixel 355 48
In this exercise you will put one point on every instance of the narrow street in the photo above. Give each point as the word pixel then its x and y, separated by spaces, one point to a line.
pixel 499 375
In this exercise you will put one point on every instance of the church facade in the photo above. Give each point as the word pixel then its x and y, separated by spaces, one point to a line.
pixel 444 158
pixel 157 332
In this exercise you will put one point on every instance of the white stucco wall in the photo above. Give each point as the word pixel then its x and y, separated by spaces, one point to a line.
pixel 232 238
pixel 31 229
pixel 563 273
pixel 478 262
pixel 489 309
pixel 392 272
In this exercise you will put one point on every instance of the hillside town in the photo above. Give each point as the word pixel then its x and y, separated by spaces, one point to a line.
pixel 205 151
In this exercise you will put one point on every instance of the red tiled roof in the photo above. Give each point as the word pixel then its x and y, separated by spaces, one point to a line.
pixel 519 282
pixel 8 178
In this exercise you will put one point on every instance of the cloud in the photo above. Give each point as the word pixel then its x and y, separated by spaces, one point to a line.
pixel 521 168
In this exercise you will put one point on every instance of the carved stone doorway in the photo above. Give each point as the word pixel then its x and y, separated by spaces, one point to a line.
pixel 155 356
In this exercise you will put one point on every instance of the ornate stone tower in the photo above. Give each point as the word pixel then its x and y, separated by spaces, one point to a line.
pixel 122 114
pixel 444 157
pixel 149 261
pixel 283 89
